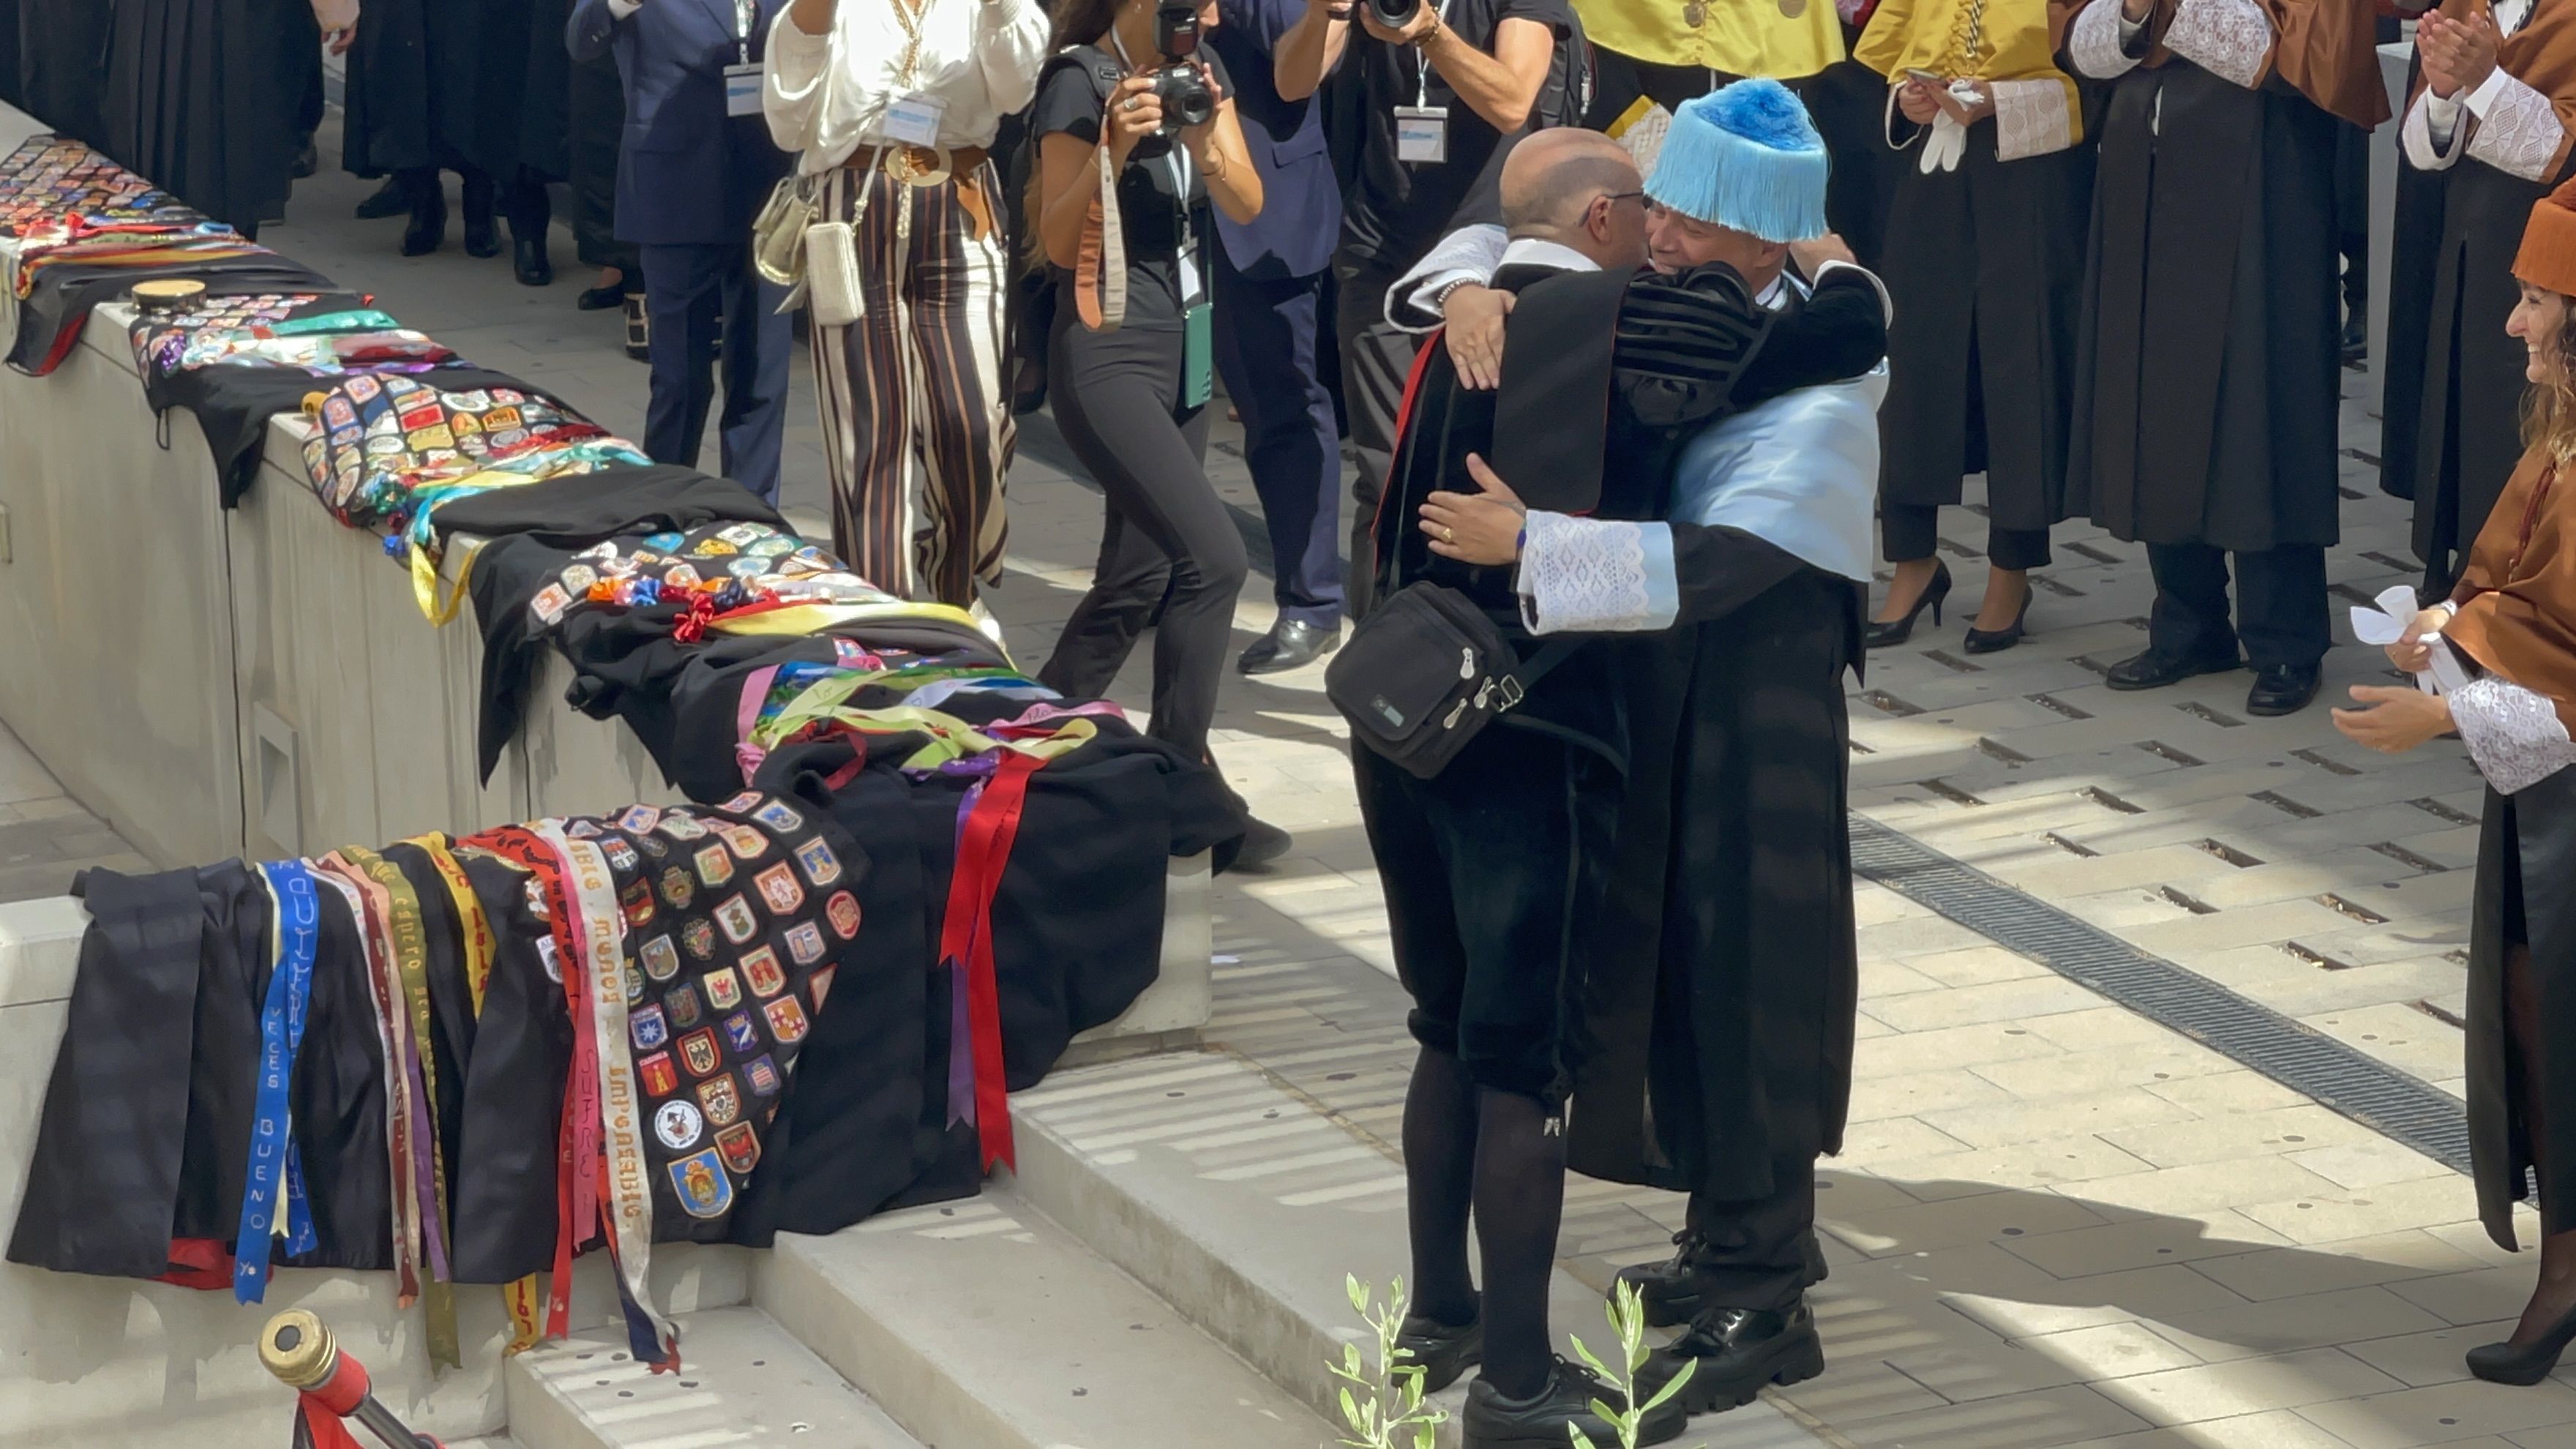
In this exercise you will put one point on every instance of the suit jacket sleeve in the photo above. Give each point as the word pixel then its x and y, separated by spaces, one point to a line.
pixel 1840 332
pixel 588 33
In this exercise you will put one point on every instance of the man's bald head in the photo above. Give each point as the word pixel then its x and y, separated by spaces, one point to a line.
pixel 1552 176
pixel 1579 189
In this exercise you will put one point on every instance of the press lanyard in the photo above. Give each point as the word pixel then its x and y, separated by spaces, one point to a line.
pixel 1177 161
pixel 742 78
pixel 1422 65
pixel 1422 129
pixel 742 18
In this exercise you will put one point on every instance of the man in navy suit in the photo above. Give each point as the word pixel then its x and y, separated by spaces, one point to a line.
pixel 693 169
pixel 1269 285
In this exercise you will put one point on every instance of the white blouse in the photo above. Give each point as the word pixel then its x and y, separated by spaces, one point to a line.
pixel 826 95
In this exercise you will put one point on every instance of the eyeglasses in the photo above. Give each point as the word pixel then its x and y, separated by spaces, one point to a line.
pixel 1615 197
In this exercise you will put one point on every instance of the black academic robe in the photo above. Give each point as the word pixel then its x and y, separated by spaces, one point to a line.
pixel 1987 276
pixel 2206 367
pixel 198 98
pixel 62 64
pixel 1719 1049
pixel 2450 412
pixel 440 83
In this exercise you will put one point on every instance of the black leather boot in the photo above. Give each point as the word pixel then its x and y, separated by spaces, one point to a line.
pixel 1443 1352
pixel 1540 1421
pixel 428 229
pixel 482 237
pixel 1734 1353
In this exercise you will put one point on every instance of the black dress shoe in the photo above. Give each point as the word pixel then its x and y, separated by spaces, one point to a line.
pixel 1540 1421
pixel 2156 668
pixel 482 234
pixel 307 160
pixel 1735 1352
pixel 600 299
pixel 2282 689
pixel 390 199
pixel 1443 1352
pixel 1666 1290
pixel 1290 644
pixel 2523 1364
pixel 428 229
pixel 1260 844
pixel 2356 337
pixel 528 260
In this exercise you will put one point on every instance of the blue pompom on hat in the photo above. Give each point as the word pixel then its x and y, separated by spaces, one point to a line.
pixel 1745 157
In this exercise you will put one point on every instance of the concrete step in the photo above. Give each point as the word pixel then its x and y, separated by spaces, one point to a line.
pixel 1244 1206
pixel 983 1325
pixel 743 1380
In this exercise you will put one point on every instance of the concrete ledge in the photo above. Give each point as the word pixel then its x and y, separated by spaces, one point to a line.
pixel 743 1380
pixel 983 1324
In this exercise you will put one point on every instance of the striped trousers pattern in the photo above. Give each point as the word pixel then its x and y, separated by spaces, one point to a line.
pixel 916 428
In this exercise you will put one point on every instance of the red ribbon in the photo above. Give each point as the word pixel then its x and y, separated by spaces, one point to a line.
pixel 966 942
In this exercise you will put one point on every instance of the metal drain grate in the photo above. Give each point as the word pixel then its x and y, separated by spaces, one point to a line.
pixel 2368 1091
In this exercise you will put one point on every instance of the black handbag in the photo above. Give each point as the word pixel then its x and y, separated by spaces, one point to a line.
pixel 1425 671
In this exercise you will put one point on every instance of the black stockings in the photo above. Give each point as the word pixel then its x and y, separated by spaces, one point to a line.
pixel 1503 1154
pixel 2555 1294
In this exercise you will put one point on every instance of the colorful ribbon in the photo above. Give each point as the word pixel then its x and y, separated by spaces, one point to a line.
pixel 294 924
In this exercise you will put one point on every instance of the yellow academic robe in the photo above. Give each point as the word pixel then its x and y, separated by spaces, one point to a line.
pixel 1739 37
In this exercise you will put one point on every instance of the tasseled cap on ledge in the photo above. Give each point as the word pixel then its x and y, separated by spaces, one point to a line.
pixel 1747 157
pixel 2548 256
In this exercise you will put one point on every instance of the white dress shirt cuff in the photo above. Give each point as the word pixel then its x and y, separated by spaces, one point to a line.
pixel 1886 303
pixel 620 9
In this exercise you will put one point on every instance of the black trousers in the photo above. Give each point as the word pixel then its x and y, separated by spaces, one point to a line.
pixel 1168 543
pixel 598 120
pixel 1376 358
pixel 2280 602
pixel 1493 870
pixel 1759 1252
pixel 1266 354
pixel 1909 531
pixel 693 293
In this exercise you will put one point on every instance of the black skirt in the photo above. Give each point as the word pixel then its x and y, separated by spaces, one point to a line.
pixel 2526 857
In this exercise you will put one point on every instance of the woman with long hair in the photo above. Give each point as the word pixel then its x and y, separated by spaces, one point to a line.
pixel 2511 622
pixel 1136 138
pixel 892 106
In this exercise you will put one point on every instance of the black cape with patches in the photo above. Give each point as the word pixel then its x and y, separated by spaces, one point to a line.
pixel 57 307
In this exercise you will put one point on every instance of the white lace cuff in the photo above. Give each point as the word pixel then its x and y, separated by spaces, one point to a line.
pixel 2230 39
pixel 1468 254
pixel 2093 42
pixel 2032 117
pixel 2430 134
pixel 2518 131
pixel 1596 576
pixel 2515 735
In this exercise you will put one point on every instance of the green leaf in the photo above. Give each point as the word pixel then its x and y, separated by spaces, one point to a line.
pixel 1584 1353
pixel 1602 1410
pixel 1359 1293
pixel 1581 1439
pixel 1351 1413
pixel 1674 1386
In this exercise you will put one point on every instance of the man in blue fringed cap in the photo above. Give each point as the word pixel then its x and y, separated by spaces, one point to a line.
pixel 1722 980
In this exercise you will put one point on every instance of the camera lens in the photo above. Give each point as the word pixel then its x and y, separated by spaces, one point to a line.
pixel 1185 97
pixel 1394 14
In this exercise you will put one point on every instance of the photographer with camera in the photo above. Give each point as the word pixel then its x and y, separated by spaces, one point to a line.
pixel 1445 87
pixel 1136 137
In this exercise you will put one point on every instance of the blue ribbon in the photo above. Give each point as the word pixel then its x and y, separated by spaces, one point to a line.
pixel 275 1172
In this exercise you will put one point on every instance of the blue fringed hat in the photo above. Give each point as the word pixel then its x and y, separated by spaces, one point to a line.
pixel 1745 157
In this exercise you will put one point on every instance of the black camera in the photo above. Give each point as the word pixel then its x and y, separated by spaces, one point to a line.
pixel 1186 99
pixel 1394 14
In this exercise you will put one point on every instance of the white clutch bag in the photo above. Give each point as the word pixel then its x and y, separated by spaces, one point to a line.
pixel 832 274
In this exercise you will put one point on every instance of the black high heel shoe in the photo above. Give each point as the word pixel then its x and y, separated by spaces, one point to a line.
pixel 1989 641
pixel 2525 1363
pixel 1879 634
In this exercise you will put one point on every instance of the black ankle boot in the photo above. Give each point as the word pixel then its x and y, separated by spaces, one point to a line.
pixel 428 229
pixel 1665 1289
pixel 482 239
pixel 1735 1352
pixel 1493 1421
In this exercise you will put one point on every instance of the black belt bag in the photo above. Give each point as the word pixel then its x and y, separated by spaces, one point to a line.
pixel 1425 671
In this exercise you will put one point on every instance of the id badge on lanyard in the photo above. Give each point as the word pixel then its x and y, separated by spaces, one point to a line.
pixel 1422 129
pixel 1198 331
pixel 742 79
